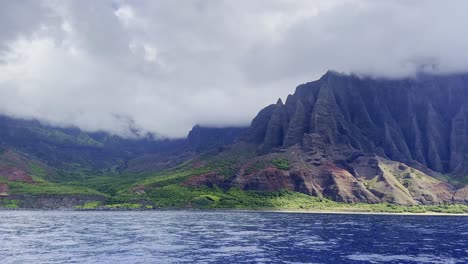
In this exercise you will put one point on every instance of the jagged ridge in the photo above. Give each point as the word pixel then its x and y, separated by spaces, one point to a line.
pixel 420 120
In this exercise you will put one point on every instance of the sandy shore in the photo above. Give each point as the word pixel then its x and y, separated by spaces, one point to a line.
pixel 355 212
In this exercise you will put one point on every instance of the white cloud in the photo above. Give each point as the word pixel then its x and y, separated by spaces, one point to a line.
pixel 125 14
pixel 163 66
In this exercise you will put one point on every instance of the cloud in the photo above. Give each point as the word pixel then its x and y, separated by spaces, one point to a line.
pixel 163 66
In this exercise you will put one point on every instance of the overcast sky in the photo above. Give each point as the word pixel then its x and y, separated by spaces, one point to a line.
pixel 163 66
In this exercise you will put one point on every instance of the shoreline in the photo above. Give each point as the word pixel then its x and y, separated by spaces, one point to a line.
pixel 346 212
pixel 286 211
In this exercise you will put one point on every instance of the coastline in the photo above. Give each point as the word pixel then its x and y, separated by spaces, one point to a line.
pixel 349 212
pixel 286 211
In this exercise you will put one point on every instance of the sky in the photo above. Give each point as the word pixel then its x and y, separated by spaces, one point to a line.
pixel 157 66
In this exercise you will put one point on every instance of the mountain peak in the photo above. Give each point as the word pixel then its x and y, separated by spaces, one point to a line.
pixel 279 102
pixel 411 122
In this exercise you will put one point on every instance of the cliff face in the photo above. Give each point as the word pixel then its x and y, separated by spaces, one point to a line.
pixel 209 138
pixel 420 121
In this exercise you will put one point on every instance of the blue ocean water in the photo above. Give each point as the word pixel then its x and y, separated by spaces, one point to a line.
pixel 229 237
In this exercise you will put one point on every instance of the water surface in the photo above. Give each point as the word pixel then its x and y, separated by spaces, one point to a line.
pixel 229 237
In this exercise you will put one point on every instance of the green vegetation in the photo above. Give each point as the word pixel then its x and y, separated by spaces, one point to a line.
pixel 37 171
pixel 224 167
pixel 125 206
pixel 282 164
pixel 49 188
pixel 255 167
pixel 175 196
pixel 166 190
pixel 9 203
pixel 58 136
pixel 173 176
pixel 109 184
pixel 89 205
pixel 44 187
pixel 458 182
pixel 226 164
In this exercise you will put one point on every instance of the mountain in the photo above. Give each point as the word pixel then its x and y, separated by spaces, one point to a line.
pixel 209 138
pixel 68 148
pixel 415 121
pixel 55 165
pixel 356 139
pixel 341 138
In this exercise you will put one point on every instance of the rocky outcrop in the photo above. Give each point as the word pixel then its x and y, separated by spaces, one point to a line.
pixel 340 185
pixel 361 140
pixel 461 195
pixel 459 142
pixel 355 140
pixel 422 120
pixel 209 179
pixel 259 125
pixel 296 127
pixel 268 179
pixel 15 174
pixel 208 138
pixel 3 189
pixel 395 182
pixel 276 128
pixel 358 179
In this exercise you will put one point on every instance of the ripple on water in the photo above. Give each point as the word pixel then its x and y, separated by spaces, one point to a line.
pixel 379 258
pixel 228 237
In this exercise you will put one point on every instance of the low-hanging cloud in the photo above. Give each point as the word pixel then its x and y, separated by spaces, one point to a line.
pixel 163 66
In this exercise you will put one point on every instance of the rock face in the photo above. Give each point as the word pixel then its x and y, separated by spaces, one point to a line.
pixel 461 196
pixel 422 120
pixel 206 138
pixel 209 179
pixel 360 178
pixel 15 174
pixel 354 139
pixel 394 182
pixel 3 189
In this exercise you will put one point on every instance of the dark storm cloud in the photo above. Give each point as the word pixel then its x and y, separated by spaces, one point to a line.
pixel 163 66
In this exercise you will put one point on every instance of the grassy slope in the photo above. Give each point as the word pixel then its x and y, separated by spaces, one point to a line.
pixel 164 190
pixel 41 186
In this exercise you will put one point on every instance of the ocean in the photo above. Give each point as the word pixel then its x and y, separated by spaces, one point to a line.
pixel 186 236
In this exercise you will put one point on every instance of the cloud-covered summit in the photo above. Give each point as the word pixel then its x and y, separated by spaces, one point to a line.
pixel 163 66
